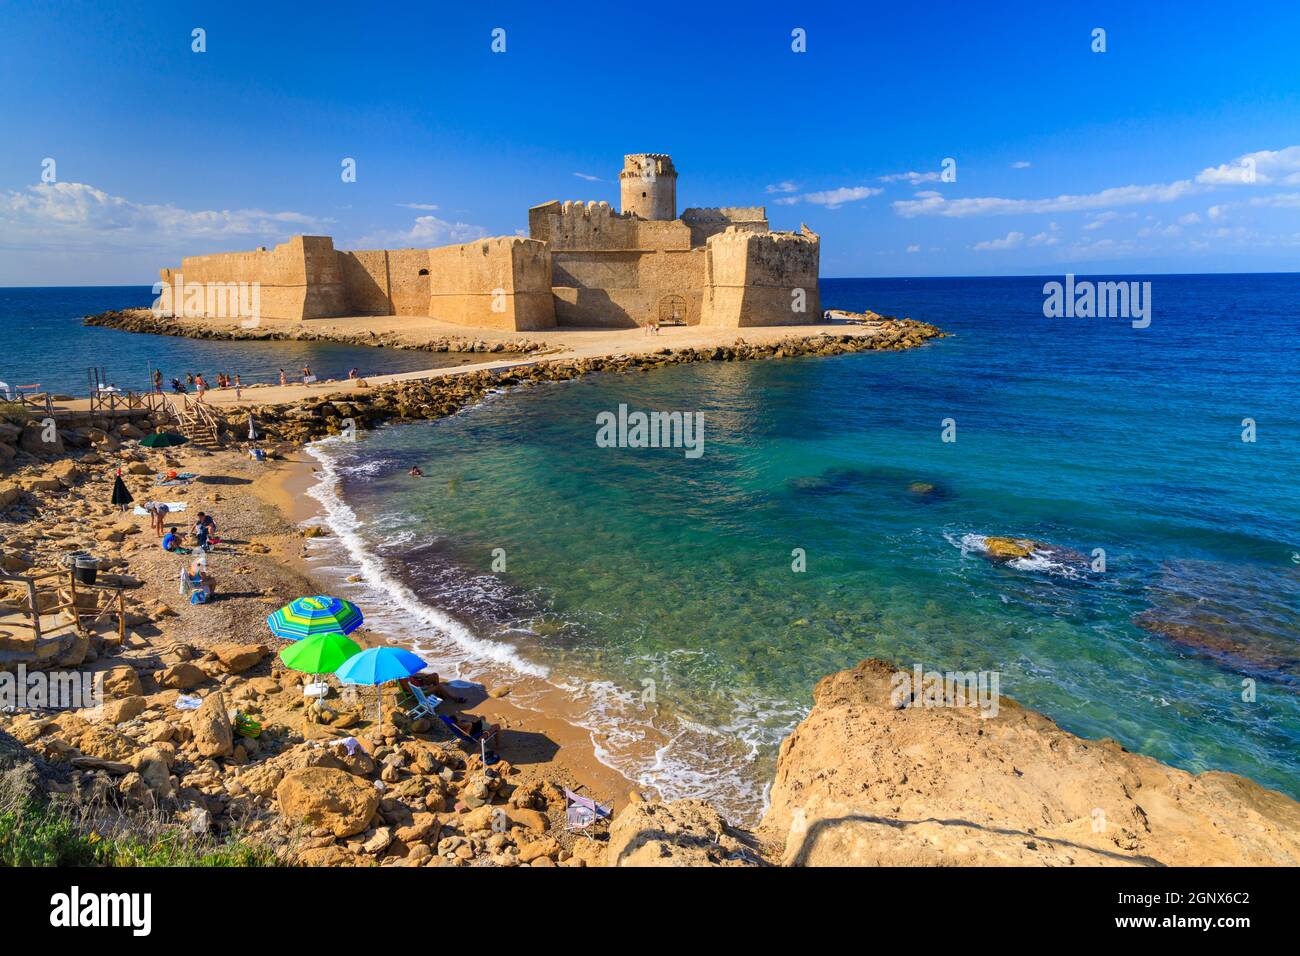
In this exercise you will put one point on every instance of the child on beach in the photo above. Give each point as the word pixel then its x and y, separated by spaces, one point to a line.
pixel 239 389
pixel 282 379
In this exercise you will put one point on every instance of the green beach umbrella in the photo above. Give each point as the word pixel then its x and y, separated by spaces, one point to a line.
pixel 322 654
pixel 320 614
pixel 163 440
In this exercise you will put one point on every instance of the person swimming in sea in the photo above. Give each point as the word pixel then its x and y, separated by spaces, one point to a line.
pixel 415 472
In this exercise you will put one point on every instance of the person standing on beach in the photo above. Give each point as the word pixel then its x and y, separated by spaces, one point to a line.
pixel 239 388
pixel 189 379
pixel 157 380
pixel 306 374
pixel 283 381
pixel 157 511
pixel 202 385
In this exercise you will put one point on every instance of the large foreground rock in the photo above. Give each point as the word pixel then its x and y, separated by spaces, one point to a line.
pixel 681 833
pixel 325 797
pixel 213 735
pixel 861 783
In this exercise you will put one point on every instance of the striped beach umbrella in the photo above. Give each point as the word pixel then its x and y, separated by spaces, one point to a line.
pixel 309 616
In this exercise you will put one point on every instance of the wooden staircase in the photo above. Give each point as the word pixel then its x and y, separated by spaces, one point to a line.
pixel 195 421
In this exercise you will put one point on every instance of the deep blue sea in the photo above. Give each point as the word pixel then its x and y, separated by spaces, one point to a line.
pixel 650 597
pixel 56 351
pixel 654 596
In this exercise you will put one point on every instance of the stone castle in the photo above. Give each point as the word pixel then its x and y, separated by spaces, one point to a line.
pixel 584 265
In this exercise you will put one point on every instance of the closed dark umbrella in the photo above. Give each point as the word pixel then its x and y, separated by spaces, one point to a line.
pixel 121 497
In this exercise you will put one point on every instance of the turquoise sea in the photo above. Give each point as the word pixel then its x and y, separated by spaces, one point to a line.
pixel 654 594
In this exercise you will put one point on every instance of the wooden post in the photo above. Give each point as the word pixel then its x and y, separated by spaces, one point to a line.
pixel 121 617
pixel 72 591
pixel 36 608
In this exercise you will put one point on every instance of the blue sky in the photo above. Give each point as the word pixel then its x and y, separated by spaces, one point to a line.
pixel 1176 150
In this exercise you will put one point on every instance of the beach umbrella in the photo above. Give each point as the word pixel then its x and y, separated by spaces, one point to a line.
pixel 322 654
pixel 163 440
pixel 252 428
pixel 379 665
pixel 121 497
pixel 307 616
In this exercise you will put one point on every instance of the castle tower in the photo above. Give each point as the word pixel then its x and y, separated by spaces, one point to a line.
pixel 648 186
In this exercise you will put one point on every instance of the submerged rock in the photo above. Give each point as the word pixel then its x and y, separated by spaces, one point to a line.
pixel 1009 549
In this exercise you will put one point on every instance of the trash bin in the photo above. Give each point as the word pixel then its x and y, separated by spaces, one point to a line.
pixel 85 569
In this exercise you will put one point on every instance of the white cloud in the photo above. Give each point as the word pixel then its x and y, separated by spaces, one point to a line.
pixel 1100 219
pixel 782 187
pixel 58 214
pixel 1021 164
pixel 589 178
pixel 1010 241
pixel 1189 219
pixel 832 198
pixel 1278 201
pixel 914 247
pixel 424 206
pixel 911 177
pixel 934 204
pixel 426 231
pixel 1261 167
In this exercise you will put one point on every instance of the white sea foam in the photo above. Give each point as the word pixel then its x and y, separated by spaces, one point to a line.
pixel 673 755
pixel 1040 560
pixel 345 524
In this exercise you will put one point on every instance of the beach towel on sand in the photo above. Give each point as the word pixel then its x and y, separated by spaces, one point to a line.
pixel 171 506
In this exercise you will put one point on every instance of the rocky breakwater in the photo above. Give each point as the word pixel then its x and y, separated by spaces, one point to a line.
pixel 867 780
pixel 437 397
pixel 145 320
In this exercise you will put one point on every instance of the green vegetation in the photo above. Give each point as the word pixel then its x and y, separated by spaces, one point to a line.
pixel 35 831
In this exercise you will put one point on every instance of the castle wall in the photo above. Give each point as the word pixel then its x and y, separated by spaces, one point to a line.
pixel 365 277
pixel 298 279
pixel 705 223
pixel 499 283
pixel 612 270
pixel 762 279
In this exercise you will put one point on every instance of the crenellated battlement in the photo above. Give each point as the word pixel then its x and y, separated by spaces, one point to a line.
pixel 647 166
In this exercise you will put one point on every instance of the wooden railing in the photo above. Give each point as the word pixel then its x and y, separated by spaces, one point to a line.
pixel 193 419
pixel 31 400
pixel 34 610
pixel 103 400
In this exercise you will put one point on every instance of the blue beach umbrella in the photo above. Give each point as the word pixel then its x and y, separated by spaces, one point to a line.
pixel 308 616
pixel 379 665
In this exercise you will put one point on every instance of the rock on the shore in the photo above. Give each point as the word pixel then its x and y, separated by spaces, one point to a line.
pixel 329 798
pixel 680 833
pixel 862 783
pixel 213 735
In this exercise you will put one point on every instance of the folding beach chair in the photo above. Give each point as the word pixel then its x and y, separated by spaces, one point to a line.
pixel 424 703
pixel 581 812
pixel 489 757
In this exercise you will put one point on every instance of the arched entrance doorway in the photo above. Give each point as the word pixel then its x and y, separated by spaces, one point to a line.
pixel 672 310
